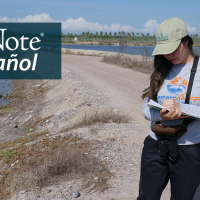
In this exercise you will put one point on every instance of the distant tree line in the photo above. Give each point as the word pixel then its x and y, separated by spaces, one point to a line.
pixel 115 34
pixel 117 37
pixel 106 34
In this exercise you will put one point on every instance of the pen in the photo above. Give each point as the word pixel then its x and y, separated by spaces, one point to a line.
pixel 179 95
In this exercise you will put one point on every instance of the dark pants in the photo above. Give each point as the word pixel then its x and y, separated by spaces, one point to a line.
pixel 184 173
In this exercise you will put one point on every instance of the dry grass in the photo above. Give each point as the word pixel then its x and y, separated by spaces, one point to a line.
pixel 68 51
pixel 31 125
pixel 46 161
pixel 40 90
pixel 50 161
pixel 120 59
pixel 97 115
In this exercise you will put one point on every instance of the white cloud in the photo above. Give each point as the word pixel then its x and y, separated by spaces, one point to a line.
pixel 80 24
pixel 191 29
pixel 151 26
pixel 30 18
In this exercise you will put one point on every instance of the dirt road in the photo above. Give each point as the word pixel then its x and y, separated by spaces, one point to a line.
pixel 121 87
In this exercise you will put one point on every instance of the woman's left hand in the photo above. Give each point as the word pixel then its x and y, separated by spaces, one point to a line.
pixel 170 103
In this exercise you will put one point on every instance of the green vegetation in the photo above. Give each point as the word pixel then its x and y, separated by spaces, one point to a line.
pixel 110 38
pixel 22 140
pixel 5 109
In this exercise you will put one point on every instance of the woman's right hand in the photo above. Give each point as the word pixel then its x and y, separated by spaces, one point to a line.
pixel 174 113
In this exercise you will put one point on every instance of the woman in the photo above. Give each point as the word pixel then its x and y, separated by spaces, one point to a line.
pixel 172 64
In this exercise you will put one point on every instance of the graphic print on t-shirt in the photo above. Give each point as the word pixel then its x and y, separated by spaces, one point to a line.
pixel 177 86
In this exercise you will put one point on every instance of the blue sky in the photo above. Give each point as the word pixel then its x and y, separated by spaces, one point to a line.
pixel 106 15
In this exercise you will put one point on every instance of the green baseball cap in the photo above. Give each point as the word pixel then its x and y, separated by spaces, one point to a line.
pixel 169 35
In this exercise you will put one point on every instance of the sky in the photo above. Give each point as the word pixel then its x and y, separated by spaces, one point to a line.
pixel 77 16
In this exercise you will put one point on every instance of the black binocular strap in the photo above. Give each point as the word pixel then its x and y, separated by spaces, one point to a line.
pixel 187 121
pixel 191 80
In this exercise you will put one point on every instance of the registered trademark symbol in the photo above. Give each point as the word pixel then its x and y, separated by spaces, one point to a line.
pixel 42 34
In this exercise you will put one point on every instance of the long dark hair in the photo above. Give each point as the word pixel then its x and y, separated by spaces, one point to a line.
pixel 161 69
